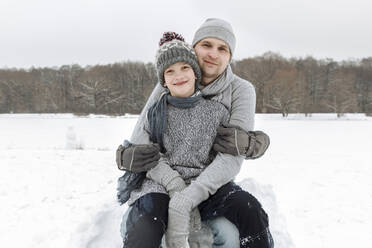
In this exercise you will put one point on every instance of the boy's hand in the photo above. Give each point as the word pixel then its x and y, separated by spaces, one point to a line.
pixel 195 220
pixel 163 174
pixel 178 221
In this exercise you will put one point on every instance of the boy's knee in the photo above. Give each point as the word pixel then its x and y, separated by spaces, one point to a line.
pixel 147 232
pixel 145 222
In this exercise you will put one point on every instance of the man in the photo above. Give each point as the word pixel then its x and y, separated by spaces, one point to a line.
pixel 213 192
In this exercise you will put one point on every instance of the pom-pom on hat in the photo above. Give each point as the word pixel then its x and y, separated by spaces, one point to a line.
pixel 174 49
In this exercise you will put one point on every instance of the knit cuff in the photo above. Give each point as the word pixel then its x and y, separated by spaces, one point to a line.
pixel 196 192
pixel 181 203
pixel 162 173
pixel 175 185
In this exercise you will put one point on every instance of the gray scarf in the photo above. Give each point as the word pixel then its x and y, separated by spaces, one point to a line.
pixel 157 114
pixel 220 89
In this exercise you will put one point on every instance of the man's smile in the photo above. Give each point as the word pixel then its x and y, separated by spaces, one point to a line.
pixel 209 62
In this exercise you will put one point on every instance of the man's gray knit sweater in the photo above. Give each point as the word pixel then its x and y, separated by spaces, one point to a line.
pixel 188 140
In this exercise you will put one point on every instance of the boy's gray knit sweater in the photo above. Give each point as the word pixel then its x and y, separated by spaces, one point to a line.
pixel 188 140
pixel 239 97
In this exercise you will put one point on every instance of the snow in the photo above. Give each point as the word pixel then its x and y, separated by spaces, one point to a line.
pixel 58 180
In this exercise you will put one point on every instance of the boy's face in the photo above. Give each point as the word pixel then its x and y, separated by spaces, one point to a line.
pixel 213 57
pixel 180 80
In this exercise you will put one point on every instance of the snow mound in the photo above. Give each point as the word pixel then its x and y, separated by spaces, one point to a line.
pixel 265 195
pixel 104 230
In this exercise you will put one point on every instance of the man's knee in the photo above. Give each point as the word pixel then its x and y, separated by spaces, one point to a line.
pixel 248 207
pixel 247 213
pixel 225 233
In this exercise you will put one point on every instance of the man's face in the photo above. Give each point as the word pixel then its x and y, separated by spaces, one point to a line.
pixel 213 57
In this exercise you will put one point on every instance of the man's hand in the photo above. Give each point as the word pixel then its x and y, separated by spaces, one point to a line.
pixel 234 141
pixel 137 158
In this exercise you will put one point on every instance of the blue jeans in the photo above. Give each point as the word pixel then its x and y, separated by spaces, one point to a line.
pixel 225 234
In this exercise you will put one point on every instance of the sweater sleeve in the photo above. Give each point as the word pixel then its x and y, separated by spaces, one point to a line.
pixel 140 134
pixel 225 167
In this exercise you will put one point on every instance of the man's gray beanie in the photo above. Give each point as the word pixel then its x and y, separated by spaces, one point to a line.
pixel 216 28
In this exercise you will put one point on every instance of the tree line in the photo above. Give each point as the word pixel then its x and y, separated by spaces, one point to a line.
pixel 294 85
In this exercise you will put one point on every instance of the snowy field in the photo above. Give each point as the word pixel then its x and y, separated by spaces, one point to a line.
pixel 58 180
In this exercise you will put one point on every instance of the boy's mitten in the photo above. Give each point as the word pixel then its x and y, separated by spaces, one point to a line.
pixel 195 220
pixel 166 176
pixel 202 238
pixel 178 221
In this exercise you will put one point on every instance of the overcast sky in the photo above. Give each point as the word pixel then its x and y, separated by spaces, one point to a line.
pixel 88 32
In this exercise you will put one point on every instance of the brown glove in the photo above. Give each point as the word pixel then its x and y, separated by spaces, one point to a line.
pixel 137 158
pixel 234 141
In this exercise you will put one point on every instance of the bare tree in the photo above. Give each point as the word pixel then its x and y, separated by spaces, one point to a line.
pixel 341 94
pixel 68 78
pixel 259 70
pixel 282 85
pixel 17 87
pixel 363 71
pixel 98 95
pixel 282 92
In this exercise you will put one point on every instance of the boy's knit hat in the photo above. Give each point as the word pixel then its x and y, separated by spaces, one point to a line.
pixel 216 28
pixel 174 49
